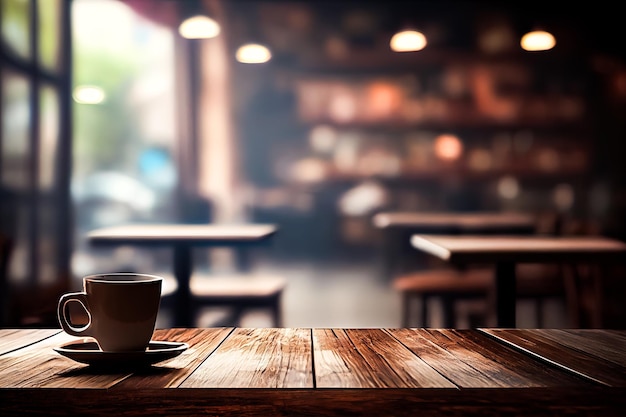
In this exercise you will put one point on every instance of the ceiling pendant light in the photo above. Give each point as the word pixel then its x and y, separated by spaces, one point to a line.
pixel 253 53
pixel 408 41
pixel 199 27
pixel 537 40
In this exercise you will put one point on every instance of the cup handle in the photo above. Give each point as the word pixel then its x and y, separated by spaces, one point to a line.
pixel 64 316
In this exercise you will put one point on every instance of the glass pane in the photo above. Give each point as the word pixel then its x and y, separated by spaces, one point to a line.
pixel 48 185
pixel 49 32
pixel 16 25
pixel 124 132
pixel 48 136
pixel 16 119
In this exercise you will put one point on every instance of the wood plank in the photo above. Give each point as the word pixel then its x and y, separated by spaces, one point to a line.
pixel 39 366
pixel 12 339
pixel 520 364
pixel 171 373
pixel 472 360
pixel 606 344
pixel 258 358
pixel 571 359
pixel 369 358
pixel 443 360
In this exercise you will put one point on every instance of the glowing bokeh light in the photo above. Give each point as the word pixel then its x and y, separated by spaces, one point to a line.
pixel 88 94
pixel 448 147
pixel 408 41
pixel 199 27
pixel 253 53
pixel 508 187
pixel 323 138
pixel 342 107
pixel 537 40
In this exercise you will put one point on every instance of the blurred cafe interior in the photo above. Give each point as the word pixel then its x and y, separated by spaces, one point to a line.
pixel 112 112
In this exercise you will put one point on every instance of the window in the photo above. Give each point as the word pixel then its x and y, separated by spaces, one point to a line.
pixel 124 129
pixel 35 137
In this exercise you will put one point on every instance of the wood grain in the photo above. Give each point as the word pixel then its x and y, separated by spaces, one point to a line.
pixel 612 347
pixel 573 357
pixel 258 358
pixel 39 366
pixel 472 360
pixel 330 372
pixel 171 373
pixel 348 358
pixel 11 339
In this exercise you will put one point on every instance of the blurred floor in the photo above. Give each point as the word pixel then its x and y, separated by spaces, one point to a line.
pixel 350 294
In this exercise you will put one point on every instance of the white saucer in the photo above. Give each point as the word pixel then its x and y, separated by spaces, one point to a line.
pixel 89 352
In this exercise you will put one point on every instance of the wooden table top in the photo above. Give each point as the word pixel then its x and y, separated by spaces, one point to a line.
pixel 217 234
pixel 470 248
pixel 466 222
pixel 302 371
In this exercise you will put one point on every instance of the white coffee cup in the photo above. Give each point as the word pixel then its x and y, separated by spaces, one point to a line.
pixel 122 309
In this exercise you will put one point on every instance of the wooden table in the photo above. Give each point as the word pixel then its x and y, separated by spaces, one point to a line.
pixel 331 372
pixel 451 222
pixel 398 227
pixel 183 238
pixel 507 251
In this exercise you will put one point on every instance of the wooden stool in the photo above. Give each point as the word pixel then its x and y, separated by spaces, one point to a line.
pixel 238 292
pixel 449 285
pixel 536 282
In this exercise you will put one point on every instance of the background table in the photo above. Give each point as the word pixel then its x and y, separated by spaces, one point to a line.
pixel 398 227
pixel 183 238
pixel 507 251
pixel 338 372
pixel 469 222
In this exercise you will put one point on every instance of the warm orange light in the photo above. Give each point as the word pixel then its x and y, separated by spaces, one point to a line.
pixel 537 40
pixel 448 147
pixel 383 99
pixel 408 41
